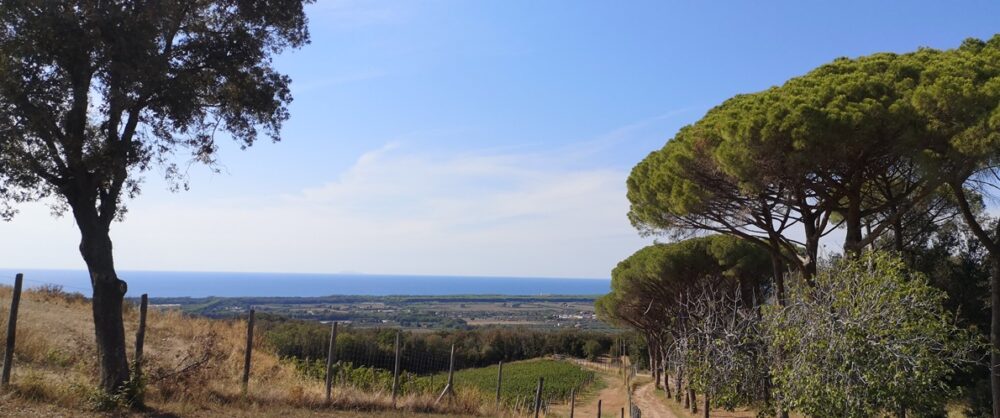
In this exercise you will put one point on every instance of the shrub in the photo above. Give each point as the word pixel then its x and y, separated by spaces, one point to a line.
pixel 592 349
pixel 869 337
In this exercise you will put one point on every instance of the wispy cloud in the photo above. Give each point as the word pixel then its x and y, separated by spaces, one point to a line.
pixel 465 189
pixel 646 127
pixel 397 210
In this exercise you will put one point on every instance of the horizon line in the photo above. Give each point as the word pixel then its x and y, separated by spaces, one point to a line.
pixel 346 273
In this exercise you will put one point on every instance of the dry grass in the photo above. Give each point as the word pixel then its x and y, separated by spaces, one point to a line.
pixel 192 367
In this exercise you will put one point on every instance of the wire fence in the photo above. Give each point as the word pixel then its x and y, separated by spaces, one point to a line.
pixel 398 366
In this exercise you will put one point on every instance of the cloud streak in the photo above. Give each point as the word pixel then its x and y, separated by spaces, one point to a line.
pixel 393 211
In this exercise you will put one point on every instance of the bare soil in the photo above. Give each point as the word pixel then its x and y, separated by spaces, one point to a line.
pixel 652 404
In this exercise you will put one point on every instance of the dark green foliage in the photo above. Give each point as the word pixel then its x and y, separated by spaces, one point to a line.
pixel 425 352
pixel 519 379
pixel 94 92
pixel 592 349
pixel 955 262
pixel 645 287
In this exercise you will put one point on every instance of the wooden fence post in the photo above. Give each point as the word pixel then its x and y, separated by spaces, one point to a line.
pixel 499 381
pixel 572 402
pixel 330 353
pixel 538 396
pixel 249 350
pixel 598 408
pixel 395 371
pixel 140 334
pixel 628 391
pixel 448 390
pixel 140 339
pixel 8 356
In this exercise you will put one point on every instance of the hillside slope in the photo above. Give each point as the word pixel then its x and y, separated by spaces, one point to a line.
pixel 192 368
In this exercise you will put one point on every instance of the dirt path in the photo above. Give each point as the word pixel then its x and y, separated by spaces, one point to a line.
pixel 612 394
pixel 655 405
pixel 651 403
pixel 613 398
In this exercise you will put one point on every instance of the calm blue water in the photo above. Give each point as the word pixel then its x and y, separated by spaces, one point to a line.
pixel 200 284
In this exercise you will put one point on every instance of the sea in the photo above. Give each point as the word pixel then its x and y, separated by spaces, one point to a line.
pixel 204 284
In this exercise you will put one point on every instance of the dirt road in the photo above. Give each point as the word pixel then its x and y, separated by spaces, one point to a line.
pixel 613 398
pixel 655 405
pixel 650 402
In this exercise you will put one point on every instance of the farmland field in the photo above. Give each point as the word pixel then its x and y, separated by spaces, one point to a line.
pixel 521 377
pixel 518 388
pixel 409 312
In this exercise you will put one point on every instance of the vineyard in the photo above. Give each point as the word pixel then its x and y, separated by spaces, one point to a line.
pixel 520 379
pixel 517 387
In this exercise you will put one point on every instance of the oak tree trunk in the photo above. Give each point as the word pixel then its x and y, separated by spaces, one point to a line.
pixel 109 293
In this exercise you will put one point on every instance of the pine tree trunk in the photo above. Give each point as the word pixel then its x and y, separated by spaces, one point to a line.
pixel 678 386
pixel 995 332
pixel 852 222
pixel 993 247
pixel 654 363
pixel 778 269
pixel 813 233
pixel 665 364
pixel 898 242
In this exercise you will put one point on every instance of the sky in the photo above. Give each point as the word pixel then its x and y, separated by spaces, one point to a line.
pixel 486 138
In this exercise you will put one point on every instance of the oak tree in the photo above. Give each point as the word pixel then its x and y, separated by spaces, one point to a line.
pixel 95 92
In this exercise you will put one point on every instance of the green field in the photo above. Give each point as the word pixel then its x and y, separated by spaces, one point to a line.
pixel 521 377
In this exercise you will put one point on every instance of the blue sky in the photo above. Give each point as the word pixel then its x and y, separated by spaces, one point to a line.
pixel 480 137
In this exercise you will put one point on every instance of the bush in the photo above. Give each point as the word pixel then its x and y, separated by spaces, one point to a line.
pixel 592 349
pixel 869 337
